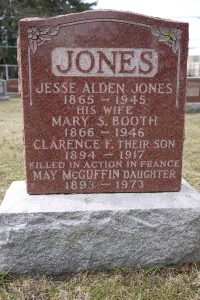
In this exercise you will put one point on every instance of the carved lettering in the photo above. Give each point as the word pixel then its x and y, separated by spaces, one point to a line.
pixel 107 62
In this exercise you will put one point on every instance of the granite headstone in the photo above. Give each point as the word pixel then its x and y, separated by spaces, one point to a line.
pixel 103 96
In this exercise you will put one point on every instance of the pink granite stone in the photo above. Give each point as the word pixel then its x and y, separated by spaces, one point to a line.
pixel 103 97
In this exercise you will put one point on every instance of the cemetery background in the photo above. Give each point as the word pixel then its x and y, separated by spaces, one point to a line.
pixel 155 283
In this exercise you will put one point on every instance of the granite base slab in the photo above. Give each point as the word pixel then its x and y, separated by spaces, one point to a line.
pixel 54 234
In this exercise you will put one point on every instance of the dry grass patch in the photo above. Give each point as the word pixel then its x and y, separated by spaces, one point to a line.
pixel 119 284
pixel 11 150
pixel 191 157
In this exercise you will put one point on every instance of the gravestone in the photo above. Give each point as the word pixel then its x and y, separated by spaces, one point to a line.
pixel 3 90
pixel 103 95
pixel 193 95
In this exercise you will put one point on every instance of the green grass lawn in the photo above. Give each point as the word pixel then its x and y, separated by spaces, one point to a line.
pixel 142 284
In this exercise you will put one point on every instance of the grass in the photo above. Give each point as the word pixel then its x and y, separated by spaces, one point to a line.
pixel 11 150
pixel 191 157
pixel 120 284
pixel 142 284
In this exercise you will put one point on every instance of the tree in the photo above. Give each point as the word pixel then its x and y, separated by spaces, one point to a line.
pixel 11 11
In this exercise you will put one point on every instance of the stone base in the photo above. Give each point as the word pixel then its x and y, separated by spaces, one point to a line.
pixel 2 98
pixel 56 234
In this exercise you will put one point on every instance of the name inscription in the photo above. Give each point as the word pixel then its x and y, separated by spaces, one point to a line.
pixel 107 62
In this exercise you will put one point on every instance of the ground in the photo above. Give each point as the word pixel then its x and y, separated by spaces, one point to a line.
pixel 143 284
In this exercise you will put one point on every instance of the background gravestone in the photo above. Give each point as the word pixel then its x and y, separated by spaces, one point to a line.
pixel 3 90
pixel 103 95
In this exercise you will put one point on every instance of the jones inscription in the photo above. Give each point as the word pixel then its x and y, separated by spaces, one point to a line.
pixel 104 62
